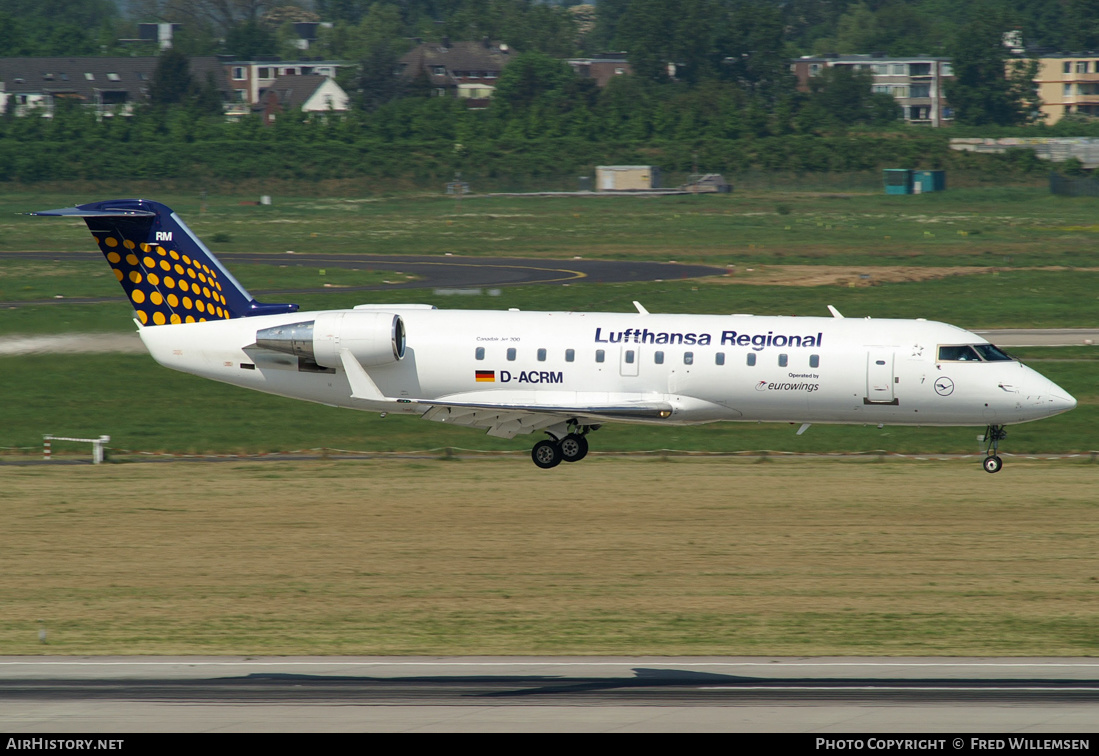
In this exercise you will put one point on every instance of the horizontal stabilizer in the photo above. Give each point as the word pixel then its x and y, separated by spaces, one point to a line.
pixel 78 212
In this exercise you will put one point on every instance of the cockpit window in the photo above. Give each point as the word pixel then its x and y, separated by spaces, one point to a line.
pixel 972 353
pixel 992 354
pixel 963 353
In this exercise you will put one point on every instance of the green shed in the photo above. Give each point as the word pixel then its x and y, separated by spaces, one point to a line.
pixel 897 180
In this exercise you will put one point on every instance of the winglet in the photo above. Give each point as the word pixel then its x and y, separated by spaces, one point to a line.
pixel 834 311
pixel 640 309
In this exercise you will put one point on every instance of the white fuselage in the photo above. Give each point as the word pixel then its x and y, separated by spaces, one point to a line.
pixel 705 367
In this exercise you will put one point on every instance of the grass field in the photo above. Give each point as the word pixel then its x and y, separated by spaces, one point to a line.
pixel 494 557
pixel 1007 227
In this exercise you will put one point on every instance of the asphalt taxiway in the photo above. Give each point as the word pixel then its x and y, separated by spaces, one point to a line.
pixel 582 694
pixel 448 272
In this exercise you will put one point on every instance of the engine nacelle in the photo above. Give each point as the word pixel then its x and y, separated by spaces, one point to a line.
pixel 374 338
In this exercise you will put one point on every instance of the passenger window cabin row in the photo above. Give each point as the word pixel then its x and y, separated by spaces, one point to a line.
pixel 658 357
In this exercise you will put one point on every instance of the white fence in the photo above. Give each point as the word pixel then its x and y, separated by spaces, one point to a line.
pixel 97 446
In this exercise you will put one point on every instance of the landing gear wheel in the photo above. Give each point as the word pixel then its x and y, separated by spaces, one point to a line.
pixel 993 436
pixel 574 447
pixel 546 454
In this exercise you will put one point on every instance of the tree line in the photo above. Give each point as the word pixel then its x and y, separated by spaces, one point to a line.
pixel 743 44
pixel 729 102
pixel 426 141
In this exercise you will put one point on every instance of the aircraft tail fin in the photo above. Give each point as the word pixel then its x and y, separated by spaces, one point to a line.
pixel 168 274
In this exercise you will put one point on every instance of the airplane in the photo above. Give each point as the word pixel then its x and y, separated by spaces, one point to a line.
pixel 561 374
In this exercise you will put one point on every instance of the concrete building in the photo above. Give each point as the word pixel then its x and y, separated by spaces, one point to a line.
pixel 160 34
pixel 915 82
pixel 602 67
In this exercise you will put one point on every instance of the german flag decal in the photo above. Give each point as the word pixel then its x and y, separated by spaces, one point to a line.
pixel 486 376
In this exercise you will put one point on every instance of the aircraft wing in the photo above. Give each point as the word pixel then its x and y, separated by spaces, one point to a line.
pixel 507 414
pixel 508 420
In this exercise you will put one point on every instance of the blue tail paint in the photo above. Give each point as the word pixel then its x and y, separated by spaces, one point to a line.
pixel 167 273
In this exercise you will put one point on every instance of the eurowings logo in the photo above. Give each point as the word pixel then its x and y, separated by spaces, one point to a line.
pixel 769 386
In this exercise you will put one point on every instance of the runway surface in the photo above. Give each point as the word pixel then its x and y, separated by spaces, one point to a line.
pixel 657 694
pixel 1017 337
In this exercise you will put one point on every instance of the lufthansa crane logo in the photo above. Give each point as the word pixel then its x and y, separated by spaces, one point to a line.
pixel 944 386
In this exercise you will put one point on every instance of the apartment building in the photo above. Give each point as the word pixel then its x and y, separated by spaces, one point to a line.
pixel 1068 83
pixel 915 82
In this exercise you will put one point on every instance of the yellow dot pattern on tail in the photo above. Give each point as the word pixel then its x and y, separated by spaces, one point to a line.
pixel 148 282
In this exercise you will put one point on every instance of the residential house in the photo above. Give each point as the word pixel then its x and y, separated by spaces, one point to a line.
pixel 310 93
pixel 247 78
pixel 915 82
pixel 110 85
pixel 467 70
pixel 602 67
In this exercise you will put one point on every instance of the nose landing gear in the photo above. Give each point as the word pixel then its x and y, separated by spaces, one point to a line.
pixel 993 436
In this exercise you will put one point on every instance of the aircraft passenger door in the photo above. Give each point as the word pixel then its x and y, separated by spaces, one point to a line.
pixel 630 359
pixel 879 377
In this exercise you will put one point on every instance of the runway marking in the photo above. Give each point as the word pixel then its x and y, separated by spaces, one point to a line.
pixel 574 274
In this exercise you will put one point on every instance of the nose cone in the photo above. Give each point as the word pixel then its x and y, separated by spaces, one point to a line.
pixel 1060 400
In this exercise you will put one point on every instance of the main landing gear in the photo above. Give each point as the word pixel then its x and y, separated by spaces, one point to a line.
pixel 993 436
pixel 571 447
